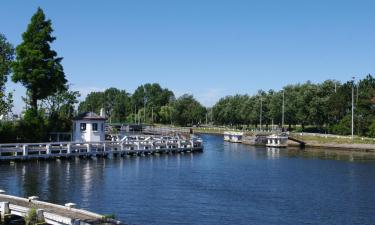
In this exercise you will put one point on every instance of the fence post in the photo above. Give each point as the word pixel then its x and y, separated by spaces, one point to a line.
pixel 40 214
pixel 4 206
pixel 25 149
pixel 69 148
pixel 88 148
pixel 48 147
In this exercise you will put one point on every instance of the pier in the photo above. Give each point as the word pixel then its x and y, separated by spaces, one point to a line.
pixel 130 145
pixel 12 207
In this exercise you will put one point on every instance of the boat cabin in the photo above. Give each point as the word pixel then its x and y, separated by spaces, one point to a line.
pixel 233 136
pixel 89 127
pixel 278 141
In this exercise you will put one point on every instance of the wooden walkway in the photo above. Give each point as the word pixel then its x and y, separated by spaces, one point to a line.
pixel 138 145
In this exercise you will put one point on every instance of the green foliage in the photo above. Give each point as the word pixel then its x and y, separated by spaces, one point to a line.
pixel 109 216
pixel 371 130
pixel 116 103
pixel 323 107
pixel 33 127
pixel 188 111
pixel 120 106
pixel 6 58
pixel 60 108
pixel 153 97
pixel 32 218
pixel 37 67
pixel 165 114
pixel 8 132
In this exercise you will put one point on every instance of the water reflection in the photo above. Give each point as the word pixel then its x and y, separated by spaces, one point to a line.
pixel 273 153
pixel 325 154
pixel 226 184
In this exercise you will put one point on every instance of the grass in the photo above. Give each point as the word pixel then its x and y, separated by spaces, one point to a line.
pixel 330 139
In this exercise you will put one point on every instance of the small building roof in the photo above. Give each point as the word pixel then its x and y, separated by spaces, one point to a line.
pixel 89 116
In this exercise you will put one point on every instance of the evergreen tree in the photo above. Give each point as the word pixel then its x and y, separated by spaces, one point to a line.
pixel 37 66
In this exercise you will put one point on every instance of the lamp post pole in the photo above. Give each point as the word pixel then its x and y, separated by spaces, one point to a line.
pixel 260 117
pixel 353 108
pixel 283 111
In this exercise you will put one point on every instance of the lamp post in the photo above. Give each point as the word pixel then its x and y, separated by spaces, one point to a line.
pixel 353 80
pixel 144 104
pixel 260 116
pixel 283 111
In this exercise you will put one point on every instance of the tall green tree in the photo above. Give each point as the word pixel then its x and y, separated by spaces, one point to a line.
pixel 188 111
pixel 60 109
pixel 6 57
pixel 153 97
pixel 116 103
pixel 37 66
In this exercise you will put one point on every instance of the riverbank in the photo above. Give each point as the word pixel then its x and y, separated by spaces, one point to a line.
pixel 337 142
pixel 327 141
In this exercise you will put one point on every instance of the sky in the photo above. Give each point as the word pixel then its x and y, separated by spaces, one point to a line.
pixel 208 48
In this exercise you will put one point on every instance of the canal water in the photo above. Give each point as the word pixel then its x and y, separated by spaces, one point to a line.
pixel 226 184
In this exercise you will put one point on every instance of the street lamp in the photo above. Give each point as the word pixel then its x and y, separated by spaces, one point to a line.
pixel 283 111
pixel 353 80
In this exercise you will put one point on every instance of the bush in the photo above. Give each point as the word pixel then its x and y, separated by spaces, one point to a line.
pixel 371 130
pixel 32 217
pixel 343 127
pixel 33 127
pixel 8 132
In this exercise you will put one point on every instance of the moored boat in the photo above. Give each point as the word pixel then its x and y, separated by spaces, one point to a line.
pixel 232 136
pixel 277 140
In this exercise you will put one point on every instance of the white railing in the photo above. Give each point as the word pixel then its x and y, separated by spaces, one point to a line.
pixel 135 144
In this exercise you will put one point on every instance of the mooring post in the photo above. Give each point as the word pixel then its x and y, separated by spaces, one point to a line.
pixel 25 149
pixel 40 214
pixel 88 148
pixel 4 206
pixel 48 147
pixel 68 148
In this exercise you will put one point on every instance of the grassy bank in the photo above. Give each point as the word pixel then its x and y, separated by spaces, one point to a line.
pixel 332 139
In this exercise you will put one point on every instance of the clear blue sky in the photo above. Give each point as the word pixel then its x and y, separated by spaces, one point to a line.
pixel 209 48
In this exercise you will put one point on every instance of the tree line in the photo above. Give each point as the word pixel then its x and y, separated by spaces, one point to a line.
pixel 51 104
pixel 322 107
pixel 150 103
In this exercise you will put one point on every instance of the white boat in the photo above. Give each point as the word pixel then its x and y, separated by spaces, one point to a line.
pixel 277 141
pixel 232 136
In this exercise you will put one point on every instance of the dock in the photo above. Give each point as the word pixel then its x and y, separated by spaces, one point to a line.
pixel 12 207
pixel 131 145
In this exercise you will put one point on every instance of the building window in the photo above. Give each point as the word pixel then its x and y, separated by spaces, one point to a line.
pixel 82 126
pixel 95 127
pixel 74 126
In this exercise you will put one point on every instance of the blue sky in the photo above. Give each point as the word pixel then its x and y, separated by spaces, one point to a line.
pixel 203 47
